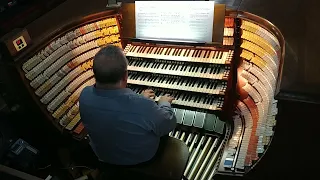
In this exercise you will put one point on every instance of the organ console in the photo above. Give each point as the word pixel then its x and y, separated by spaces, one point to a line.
pixel 225 106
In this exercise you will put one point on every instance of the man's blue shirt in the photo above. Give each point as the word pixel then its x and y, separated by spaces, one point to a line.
pixel 124 127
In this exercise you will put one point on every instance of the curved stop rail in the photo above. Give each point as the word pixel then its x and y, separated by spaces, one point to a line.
pixel 261 54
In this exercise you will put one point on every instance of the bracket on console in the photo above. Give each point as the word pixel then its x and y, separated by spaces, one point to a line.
pixel 113 3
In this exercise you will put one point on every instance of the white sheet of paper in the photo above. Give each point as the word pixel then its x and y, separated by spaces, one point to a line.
pixel 175 20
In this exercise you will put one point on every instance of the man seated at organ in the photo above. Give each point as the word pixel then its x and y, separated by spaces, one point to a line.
pixel 124 127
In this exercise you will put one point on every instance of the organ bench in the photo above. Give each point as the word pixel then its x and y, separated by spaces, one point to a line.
pixel 225 106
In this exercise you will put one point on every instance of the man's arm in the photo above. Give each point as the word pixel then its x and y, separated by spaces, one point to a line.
pixel 164 119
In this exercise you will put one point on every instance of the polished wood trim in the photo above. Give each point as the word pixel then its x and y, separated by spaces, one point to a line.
pixel 128 21
pixel 218 23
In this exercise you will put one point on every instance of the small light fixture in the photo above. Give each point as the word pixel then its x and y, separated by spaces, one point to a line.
pixel 113 3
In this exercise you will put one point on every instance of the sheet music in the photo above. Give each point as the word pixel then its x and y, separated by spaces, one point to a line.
pixel 175 20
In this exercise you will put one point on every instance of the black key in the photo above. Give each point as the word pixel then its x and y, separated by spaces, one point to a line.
pixel 152 50
pixel 145 49
pixel 179 54
pixel 154 65
pixel 187 81
pixel 148 64
pixel 212 68
pixel 177 67
pixel 150 78
pixel 185 52
pixel 203 83
pixel 139 49
pixel 220 57
pixel 197 68
pixel 216 70
pixel 171 66
pixel 161 50
pixel 147 77
pixel 166 51
pixel 208 85
pixel 137 63
pixel 188 53
pixel 192 83
pixel 215 85
pixel 159 63
pixel 202 70
pixel 174 66
pixel 140 63
pixel 209 53
pixel 189 68
pixel 167 79
pixel 133 49
pixel 185 67
pixel 173 52
pixel 206 54
pixel 199 53
pixel 156 51
pixel 159 79
pixel 171 80
pixel 208 100
pixel 194 53
pixel 157 93
pixel 196 99
pixel 206 70
pixel 211 85
pixel 176 52
pixel 179 81
pixel 199 83
pixel 214 54
pixel 178 95
pixel 211 101
pixel 199 99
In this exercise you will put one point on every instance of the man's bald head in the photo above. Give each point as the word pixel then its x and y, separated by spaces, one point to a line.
pixel 110 65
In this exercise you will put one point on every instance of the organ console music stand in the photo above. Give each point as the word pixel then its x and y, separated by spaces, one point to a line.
pixel 240 76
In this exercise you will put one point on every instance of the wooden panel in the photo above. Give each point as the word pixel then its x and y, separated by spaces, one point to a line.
pixel 218 23
pixel 128 20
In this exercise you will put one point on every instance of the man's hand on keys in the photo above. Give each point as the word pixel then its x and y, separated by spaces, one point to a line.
pixel 148 93
pixel 166 98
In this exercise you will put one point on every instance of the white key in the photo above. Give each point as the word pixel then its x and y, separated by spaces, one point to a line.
pixel 191 59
